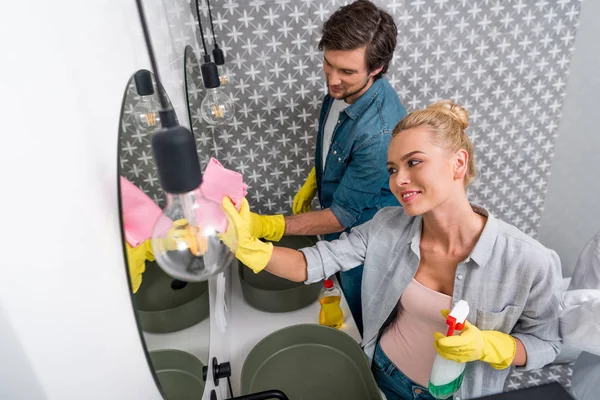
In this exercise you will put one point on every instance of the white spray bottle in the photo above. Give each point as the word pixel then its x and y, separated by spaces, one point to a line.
pixel 446 375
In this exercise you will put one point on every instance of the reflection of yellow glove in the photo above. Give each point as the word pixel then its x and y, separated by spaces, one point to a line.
pixel 248 249
pixel 270 227
pixel 306 194
pixel 136 260
pixel 495 348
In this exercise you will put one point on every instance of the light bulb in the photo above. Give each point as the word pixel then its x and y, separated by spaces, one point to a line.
pixel 216 108
pixel 184 238
pixel 223 75
pixel 146 112
pixel 185 241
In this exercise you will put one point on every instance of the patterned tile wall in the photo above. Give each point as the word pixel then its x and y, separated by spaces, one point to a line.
pixel 506 61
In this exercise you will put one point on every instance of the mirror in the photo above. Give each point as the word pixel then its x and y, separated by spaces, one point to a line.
pixel 173 315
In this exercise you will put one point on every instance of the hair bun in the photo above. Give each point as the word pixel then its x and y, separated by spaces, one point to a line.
pixel 451 108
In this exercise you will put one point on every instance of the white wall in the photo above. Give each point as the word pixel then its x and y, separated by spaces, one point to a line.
pixel 67 328
pixel 572 208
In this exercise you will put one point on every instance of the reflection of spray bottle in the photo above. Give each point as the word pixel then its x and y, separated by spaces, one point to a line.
pixel 446 375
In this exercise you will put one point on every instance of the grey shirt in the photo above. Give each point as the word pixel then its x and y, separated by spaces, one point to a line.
pixel 511 281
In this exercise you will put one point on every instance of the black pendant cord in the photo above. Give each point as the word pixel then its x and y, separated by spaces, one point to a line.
pixel 201 31
pixel 212 27
pixel 164 103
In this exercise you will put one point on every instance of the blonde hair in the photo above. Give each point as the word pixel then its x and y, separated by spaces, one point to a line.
pixel 448 122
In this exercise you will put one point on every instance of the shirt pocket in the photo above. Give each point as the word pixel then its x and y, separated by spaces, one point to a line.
pixel 337 161
pixel 502 321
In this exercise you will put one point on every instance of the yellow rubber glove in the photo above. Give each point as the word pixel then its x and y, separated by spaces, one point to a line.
pixel 270 227
pixel 247 248
pixel 303 199
pixel 136 260
pixel 493 347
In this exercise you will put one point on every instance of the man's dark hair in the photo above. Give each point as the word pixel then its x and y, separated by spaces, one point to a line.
pixel 362 24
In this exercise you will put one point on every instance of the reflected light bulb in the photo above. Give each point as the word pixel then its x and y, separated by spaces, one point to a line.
pixel 146 112
pixel 216 108
pixel 223 75
pixel 184 238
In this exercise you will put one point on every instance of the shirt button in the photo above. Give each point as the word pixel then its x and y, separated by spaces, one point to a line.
pixel 459 277
pixel 334 152
pixel 339 158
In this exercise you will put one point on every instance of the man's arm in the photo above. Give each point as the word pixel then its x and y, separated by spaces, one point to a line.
pixel 312 223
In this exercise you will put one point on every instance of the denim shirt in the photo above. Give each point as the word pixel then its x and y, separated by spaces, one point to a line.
pixel 511 282
pixel 354 184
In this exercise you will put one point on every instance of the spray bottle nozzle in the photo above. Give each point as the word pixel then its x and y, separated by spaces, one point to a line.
pixel 457 317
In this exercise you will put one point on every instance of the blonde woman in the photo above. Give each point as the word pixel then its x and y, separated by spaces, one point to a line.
pixel 423 257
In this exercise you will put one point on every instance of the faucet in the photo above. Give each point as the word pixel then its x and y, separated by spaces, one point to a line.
pixel 266 395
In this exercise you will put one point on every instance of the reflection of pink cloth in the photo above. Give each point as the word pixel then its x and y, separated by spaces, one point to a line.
pixel 139 213
pixel 218 182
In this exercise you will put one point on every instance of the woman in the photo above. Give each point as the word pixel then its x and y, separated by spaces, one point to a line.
pixel 422 258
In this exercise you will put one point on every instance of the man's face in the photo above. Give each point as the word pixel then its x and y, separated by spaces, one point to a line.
pixel 346 73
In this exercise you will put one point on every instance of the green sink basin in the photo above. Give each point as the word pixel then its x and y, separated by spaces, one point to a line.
pixel 267 292
pixel 179 374
pixel 309 361
pixel 167 305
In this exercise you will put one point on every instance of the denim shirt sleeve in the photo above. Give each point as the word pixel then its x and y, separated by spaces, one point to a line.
pixel 363 179
pixel 538 325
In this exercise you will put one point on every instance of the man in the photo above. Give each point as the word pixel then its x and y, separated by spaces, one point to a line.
pixel 580 320
pixel 356 120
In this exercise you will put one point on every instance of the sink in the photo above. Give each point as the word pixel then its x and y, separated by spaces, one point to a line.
pixel 309 361
pixel 165 304
pixel 179 374
pixel 267 292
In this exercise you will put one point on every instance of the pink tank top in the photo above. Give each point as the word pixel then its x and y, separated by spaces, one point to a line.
pixel 408 341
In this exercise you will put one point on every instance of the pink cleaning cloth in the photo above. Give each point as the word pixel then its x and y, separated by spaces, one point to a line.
pixel 139 213
pixel 218 182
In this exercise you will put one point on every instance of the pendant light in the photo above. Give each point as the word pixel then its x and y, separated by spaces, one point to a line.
pixel 184 240
pixel 216 107
pixel 218 55
pixel 146 111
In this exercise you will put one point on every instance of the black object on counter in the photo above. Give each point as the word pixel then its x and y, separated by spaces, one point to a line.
pixel 550 391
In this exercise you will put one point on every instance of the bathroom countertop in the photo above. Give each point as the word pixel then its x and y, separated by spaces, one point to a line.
pixel 249 326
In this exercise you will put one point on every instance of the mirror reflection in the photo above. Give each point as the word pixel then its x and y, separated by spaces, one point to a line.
pixel 194 90
pixel 172 314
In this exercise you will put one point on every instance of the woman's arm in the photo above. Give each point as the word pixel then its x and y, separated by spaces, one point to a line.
pixel 288 263
pixel 520 355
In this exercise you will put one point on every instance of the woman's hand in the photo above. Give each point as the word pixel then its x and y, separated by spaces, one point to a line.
pixel 238 237
pixel 493 347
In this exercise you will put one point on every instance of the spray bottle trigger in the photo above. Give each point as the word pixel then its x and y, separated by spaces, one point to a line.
pixel 451 322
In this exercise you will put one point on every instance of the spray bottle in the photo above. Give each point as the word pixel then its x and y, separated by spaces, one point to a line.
pixel 446 375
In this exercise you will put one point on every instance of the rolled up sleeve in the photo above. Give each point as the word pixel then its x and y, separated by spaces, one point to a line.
pixel 363 180
pixel 326 258
pixel 538 325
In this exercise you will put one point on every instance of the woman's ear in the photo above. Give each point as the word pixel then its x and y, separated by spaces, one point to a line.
pixel 461 164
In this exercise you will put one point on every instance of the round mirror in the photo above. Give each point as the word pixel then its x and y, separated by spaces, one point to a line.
pixel 173 315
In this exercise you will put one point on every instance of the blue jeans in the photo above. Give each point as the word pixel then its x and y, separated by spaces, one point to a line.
pixel 393 383
pixel 351 282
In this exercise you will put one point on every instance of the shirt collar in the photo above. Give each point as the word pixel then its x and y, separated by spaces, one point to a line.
pixel 356 109
pixel 483 248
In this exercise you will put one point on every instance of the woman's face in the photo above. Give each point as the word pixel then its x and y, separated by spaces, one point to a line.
pixel 422 174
